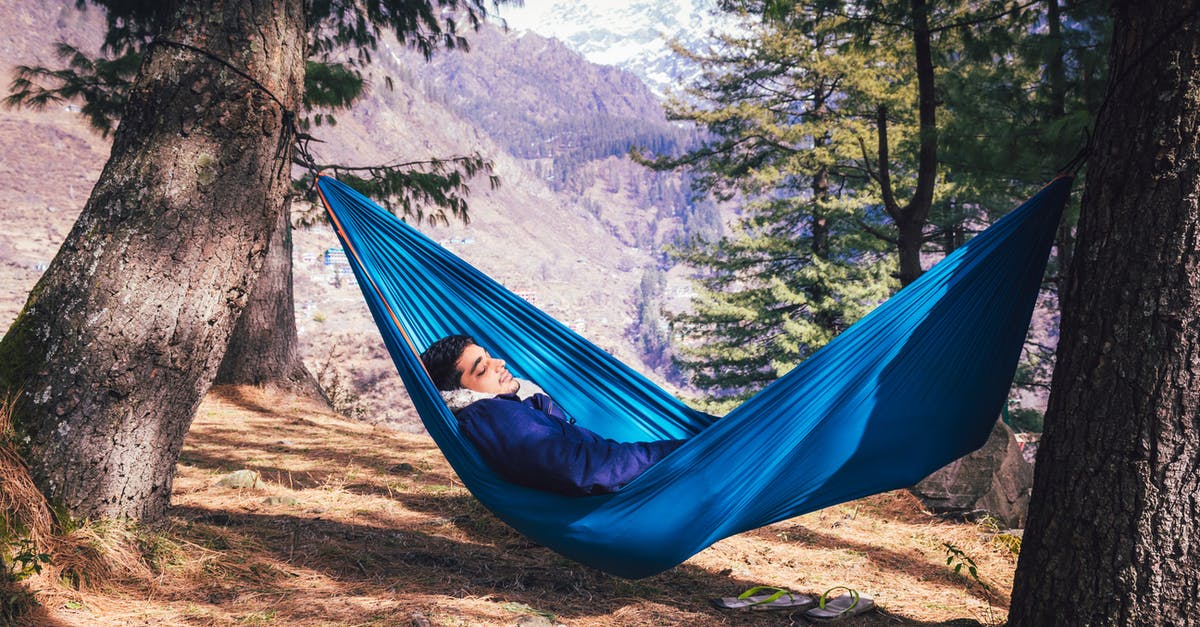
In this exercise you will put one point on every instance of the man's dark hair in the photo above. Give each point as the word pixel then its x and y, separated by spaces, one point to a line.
pixel 441 360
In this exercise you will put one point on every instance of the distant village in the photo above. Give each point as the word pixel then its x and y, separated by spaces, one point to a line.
pixel 337 267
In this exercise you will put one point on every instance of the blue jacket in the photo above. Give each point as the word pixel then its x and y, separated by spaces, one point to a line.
pixel 532 443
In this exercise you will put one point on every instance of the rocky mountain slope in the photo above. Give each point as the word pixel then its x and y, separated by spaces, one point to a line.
pixel 577 244
pixel 629 34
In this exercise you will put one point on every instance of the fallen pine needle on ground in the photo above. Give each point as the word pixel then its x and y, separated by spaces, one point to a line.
pixel 340 522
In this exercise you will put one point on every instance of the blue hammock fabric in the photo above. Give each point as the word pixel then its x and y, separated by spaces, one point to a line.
pixel 915 384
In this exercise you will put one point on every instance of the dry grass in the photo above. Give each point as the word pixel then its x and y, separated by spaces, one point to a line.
pixel 354 524
pixel 23 510
pixel 39 555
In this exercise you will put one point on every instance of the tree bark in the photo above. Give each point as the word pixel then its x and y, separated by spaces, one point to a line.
pixel 912 236
pixel 1114 525
pixel 910 219
pixel 265 348
pixel 121 338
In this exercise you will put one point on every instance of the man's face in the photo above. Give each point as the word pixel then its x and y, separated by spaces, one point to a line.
pixel 483 373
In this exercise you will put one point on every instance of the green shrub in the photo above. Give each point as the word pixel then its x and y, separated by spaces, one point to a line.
pixel 1026 419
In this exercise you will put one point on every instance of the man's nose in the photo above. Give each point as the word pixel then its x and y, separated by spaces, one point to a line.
pixel 499 363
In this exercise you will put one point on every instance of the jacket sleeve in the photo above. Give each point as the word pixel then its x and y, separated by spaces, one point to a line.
pixel 529 444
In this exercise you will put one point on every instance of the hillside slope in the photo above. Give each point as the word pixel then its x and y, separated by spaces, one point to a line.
pixel 579 253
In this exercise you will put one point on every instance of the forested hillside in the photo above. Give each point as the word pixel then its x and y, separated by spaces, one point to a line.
pixel 556 127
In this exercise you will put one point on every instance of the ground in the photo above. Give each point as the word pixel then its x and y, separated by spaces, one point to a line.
pixel 357 524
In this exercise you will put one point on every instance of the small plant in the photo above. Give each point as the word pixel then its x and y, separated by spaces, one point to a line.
pixel 25 560
pixel 25 522
pixel 1000 537
pixel 957 558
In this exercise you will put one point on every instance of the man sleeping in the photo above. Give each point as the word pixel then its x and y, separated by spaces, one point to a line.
pixel 522 433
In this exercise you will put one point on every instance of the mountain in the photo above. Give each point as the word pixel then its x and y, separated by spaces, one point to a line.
pixel 574 225
pixel 629 34
pixel 540 99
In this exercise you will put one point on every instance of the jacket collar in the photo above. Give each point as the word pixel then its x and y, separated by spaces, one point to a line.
pixel 458 399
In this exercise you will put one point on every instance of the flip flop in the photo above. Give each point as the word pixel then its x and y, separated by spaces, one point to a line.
pixel 844 606
pixel 765 598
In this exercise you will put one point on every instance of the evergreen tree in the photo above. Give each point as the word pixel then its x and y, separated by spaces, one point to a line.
pixel 785 104
pixel 1113 537
pixel 651 327
pixel 264 348
pixel 767 298
pixel 826 121
pixel 122 336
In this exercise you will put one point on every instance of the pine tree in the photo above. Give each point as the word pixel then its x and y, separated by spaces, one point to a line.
pixel 264 348
pixel 1113 536
pixel 826 121
pixel 123 335
pixel 789 105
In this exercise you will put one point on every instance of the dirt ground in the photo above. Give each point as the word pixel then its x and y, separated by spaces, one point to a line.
pixel 354 524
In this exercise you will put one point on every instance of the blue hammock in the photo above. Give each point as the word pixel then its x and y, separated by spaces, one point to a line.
pixel 915 384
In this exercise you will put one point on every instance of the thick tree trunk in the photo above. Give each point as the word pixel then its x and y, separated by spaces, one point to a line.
pixel 265 349
pixel 1114 526
pixel 123 335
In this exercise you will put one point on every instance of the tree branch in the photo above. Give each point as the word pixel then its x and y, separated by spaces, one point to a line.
pixel 885 176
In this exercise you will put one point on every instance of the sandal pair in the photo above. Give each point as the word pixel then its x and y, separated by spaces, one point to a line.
pixel 823 609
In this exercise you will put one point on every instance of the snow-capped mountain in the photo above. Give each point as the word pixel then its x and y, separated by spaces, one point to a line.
pixel 630 34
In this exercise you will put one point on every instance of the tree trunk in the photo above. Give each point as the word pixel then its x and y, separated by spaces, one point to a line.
pixel 912 236
pixel 1114 525
pixel 265 349
pixel 1056 70
pixel 122 336
pixel 910 219
pixel 1056 65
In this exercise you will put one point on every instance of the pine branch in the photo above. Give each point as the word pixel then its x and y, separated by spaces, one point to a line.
pixel 408 188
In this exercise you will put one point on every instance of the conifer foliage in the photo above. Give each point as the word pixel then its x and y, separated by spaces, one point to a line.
pixel 264 348
pixel 126 330
pixel 856 139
